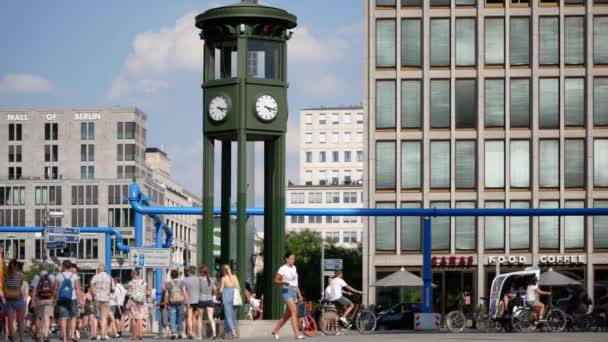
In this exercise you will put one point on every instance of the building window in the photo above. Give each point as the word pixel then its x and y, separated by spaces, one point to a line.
pixel 350 237
pixel 440 2
pixel 411 103
pixel 322 119
pixel 466 103
pixel 347 177
pixel 520 102
pixel 335 119
pixel 465 42
pixel 121 217
pixel 494 102
pixel 85 217
pixel 385 43
pixel 465 228
pixel 350 197
pixel 574 101
pixel 574 163
pixel 47 195
pixel 322 177
pixel 440 164
pixel 440 42
pixel 600 101
pixel 13 249
pixel 308 119
pixel 411 42
pixel 335 156
pixel 548 103
pixel 360 119
pixel 15 154
pixel 332 219
pixel 322 138
pixel 297 198
pixel 548 234
pixel 574 40
pixel 347 156
pixel 410 229
pixel 385 3
pixel 87 172
pixel 495 163
pixel 465 2
pixel 332 197
pixel 600 233
pixel 520 227
pixel 308 138
pixel 322 157
pixel 87 131
pixel 51 131
pixel 14 173
pixel 465 164
pixel 548 168
pixel 51 172
pixel 600 162
pixel 308 178
pixel 15 132
pixel 548 40
pixel 385 165
pixel 520 41
pixel 309 157
pixel 440 233
pixel 495 41
pixel 411 165
pixel 440 103
pixel 347 138
pixel 315 219
pixel 12 196
pixel 359 156
pixel 85 195
pixel 574 227
pixel 335 137
pixel 51 153
pixel 600 40
pixel 87 152
pixel 495 227
pixel 335 177
pixel 332 237
pixel 348 118
pixel 385 229
pixel 520 163
pixel 416 3
pixel 385 104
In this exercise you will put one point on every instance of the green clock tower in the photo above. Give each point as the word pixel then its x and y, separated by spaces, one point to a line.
pixel 245 99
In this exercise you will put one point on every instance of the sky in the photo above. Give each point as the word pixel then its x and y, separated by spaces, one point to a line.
pixel 68 53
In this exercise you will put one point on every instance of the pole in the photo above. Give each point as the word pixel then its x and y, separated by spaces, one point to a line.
pixel 206 249
pixel 226 247
pixel 241 217
pixel 108 254
pixel 322 268
pixel 159 271
pixel 427 271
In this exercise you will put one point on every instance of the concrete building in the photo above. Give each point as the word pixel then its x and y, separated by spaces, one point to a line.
pixel 79 161
pixel 485 104
pixel 331 171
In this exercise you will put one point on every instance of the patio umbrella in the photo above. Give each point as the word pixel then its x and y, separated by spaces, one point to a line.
pixel 401 278
pixel 552 278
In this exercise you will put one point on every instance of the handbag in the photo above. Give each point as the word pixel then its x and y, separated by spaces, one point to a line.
pixel 237 300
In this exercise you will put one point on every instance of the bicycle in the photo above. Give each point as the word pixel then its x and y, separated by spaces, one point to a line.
pixel 307 323
pixel 456 320
pixel 330 324
pixel 524 320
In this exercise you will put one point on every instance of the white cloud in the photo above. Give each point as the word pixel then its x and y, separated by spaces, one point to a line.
pixel 327 86
pixel 24 83
pixel 304 48
pixel 157 54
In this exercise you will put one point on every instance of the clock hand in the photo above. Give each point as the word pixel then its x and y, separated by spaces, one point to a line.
pixel 271 109
pixel 222 109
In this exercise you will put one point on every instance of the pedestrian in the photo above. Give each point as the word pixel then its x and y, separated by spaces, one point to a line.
pixel 287 278
pixel 164 331
pixel 229 290
pixel 117 302
pixel 43 285
pixel 175 297
pixel 137 305
pixel 193 322
pixel 67 292
pixel 15 299
pixel 88 316
pixel 102 286
pixel 207 291
pixel 80 300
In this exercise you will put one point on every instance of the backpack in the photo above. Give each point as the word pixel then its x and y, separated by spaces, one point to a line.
pixel 12 293
pixel 175 294
pixel 44 288
pixel 65 290
pixel 138 295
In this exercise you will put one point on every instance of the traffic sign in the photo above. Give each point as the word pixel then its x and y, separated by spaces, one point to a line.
pixel 63 230
pixel 333 264
pixel 64 234
pixel 64 238
pixel 150 257
pixel 55 245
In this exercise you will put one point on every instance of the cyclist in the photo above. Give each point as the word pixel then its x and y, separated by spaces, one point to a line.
pixel 336 294
pixel 533 294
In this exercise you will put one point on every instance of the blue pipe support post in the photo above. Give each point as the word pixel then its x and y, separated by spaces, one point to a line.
pixel 427 271
pixel 159 271
pixel 108 255
pixel 135 196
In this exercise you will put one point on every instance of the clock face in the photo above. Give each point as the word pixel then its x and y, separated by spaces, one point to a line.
pixel 266 107
pixel 218 108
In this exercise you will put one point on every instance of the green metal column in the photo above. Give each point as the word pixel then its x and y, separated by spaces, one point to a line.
pixel 241 206
pixel 206 249
pixel 226 248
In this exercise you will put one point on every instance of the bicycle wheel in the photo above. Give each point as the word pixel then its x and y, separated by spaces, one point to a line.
pixel 308 326
pixel 330 323
pixel 482 322
pixel 455 321
pixel 366 322
pixel 523 321
pixel 556 320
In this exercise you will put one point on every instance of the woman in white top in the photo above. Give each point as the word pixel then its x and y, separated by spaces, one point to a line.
pixel 533 294
pixel 287 277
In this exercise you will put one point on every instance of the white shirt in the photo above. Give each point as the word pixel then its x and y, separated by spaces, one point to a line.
pixel 118 298
pixel 289 274
pixel 102 284
pixel 335 289
pixel 531 292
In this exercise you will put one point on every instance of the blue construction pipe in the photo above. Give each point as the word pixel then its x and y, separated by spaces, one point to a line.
pixel 427 271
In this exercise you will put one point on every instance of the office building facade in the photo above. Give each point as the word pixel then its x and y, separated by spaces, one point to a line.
pixel 487 104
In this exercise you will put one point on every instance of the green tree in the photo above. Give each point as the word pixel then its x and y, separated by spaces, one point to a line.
pixel 34 269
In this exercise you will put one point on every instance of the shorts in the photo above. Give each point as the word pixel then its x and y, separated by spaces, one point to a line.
pixel 116 311
pixel 194 306
pixel 345 302
pixel 102 308
pixel 206 304
pixel 530 302
pixel 14 305
pixel 68 310
pixel 289 293
pixel 45 309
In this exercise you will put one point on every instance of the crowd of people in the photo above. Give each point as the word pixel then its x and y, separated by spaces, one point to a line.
pixel 105 307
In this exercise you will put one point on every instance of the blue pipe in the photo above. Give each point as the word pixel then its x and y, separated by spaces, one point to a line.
pixel 431 212
pixel 427 272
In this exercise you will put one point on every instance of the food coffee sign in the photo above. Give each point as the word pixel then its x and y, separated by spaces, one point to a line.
pixel 545 259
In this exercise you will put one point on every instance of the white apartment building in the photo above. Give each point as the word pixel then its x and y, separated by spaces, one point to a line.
pixel 331 172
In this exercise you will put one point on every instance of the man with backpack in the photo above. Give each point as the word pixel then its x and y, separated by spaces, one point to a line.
pixel 67 292
pixel 102 286
pixel 43 285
